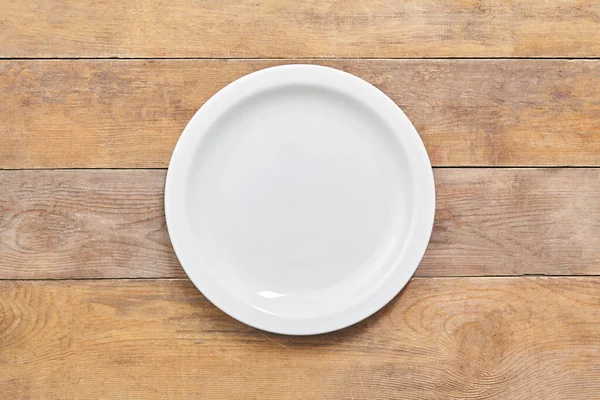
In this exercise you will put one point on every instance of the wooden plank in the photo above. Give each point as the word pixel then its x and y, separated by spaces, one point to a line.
pixel 515 221
pixel 129 114
pixel 517 338
pixel 84 224
pixel 275 28
pixel 110 224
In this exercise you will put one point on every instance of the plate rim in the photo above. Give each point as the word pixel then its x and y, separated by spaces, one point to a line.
pixel 271 77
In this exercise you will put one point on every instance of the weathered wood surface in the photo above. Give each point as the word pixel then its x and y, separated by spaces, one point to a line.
pixel 447 336
pixel 129 114
pixel 84 223
pixel 110 224
pixel 442 338
pixel 274 28
pixel 515 221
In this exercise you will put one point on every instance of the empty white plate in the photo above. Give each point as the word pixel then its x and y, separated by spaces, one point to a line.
pixel 299 199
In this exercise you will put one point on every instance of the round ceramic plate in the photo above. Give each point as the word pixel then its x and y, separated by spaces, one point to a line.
pixel 299 199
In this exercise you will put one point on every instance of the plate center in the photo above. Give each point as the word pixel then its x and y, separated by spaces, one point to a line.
pixel 299 191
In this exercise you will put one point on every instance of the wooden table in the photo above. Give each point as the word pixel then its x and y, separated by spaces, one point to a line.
pixel 95 93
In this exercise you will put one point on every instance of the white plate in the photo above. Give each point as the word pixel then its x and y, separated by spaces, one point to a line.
pixel 299 199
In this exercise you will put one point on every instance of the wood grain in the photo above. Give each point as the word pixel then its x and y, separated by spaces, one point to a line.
pixel 84 223
pixel 110 224
pixel 273 28
pixel 515 221
pixel 453 338
pixel 129 114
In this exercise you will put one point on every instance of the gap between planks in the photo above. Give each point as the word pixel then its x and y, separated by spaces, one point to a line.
pixel 291 58
pixel 66 280
pixel 433 167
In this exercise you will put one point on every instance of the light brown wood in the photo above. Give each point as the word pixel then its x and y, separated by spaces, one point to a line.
pixel 467 338
pixel 274 28
pixel 84 224
pixel 469 326
pixel 110 224
pixel 129 114
pixel 515 221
